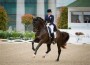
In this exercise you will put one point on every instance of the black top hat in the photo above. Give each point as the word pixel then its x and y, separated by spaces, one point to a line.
pixel 49 10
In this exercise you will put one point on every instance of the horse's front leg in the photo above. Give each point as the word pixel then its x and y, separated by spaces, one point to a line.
pixel 35 40
pixel 48 50
pixel 33 46
pixel 39 44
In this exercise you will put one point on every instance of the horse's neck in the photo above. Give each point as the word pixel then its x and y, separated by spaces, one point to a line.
pixel 41 29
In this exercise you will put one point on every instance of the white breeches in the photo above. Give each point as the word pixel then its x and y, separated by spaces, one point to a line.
pixel 51 27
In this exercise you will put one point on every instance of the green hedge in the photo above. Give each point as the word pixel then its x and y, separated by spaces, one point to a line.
pixel 4 34
pixel 16 35
pixel 29 35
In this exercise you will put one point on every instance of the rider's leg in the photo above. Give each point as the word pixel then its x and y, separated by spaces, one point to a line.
pixel 55 28
pixel 52 35
pixel 52 32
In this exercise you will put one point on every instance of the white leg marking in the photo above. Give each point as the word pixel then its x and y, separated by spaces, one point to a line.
pixel 34 55
pixel 55 34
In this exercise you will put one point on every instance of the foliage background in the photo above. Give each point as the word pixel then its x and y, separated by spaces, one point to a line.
pixel 3 19
pixel 27 20
pixel 62 22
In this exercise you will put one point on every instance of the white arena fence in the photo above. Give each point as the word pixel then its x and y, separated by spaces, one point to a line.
pixel 74 39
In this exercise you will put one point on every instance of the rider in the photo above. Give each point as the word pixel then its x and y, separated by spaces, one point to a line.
pixel 49 18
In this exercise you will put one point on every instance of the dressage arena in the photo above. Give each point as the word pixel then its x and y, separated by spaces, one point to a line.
pixel 22 54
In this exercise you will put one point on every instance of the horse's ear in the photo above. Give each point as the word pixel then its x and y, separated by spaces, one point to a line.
pixel 39 18
pixel 34 17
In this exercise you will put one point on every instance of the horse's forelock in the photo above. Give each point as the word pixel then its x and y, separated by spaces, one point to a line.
pixel 40 20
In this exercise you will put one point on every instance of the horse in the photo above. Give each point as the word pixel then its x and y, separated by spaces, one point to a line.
pixel 42 36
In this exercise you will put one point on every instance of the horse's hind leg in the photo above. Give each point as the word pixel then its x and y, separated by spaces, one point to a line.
pixel 59 51
pixel 48 50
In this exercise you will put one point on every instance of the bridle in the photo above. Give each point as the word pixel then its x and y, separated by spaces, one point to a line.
pixel 37 22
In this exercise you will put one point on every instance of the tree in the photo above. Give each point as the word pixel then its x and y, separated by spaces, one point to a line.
pixel 3 19
pixel 63 19
pixel 27 20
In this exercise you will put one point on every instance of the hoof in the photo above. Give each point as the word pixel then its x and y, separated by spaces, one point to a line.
pixel 34 56
pixel 57 60
pixel 43 56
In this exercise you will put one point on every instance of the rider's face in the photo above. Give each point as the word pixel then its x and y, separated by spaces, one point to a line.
pixel 49 13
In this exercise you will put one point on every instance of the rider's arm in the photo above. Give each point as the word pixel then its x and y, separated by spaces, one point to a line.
pixel 52 19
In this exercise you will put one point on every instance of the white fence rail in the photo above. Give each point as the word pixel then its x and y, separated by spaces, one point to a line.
pixel 74 39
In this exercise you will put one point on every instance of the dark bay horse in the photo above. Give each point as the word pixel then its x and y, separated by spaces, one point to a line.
pixel 42 36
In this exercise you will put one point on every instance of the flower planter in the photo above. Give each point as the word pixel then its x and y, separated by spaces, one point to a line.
pixel 79 34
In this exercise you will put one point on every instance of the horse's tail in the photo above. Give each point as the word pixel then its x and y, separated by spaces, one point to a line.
pixel 65 39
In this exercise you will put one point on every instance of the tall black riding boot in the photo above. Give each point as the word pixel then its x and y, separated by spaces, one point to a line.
pixel 55 28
